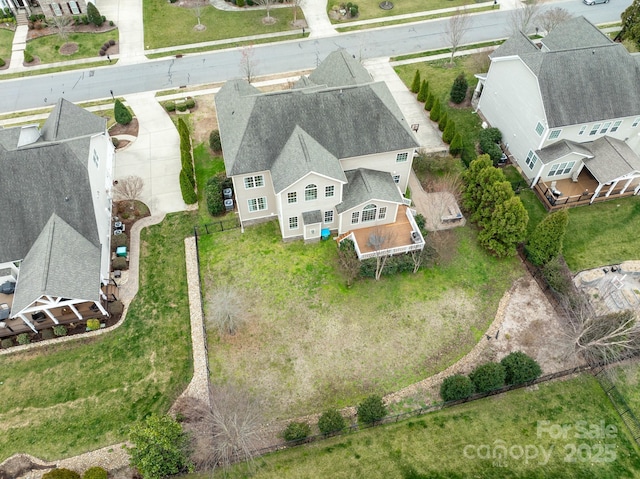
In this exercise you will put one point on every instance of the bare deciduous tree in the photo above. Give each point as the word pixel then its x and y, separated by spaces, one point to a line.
pixel 426 254
pixel 550 19
pixel 456 29
pixel 62 24
pixel 348 260
pixel 248 62
pixel 380 241
pixel 521 19
pixel 129 188
pixel 197 11
pixel 226 310
pixel 267 4
pixel 295 4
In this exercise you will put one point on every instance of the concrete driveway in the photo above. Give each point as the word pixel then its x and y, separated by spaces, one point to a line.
pixel 154 156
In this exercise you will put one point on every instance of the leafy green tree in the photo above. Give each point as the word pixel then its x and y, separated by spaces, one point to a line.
pixel 371 410
pixel 474 180
pixel 631 23
pixel 94 15
pixel 442 121
pixel 488 376
pixel 423 93
pixel 520 368
pixel 456 387
pixel 188 190
pixel 546 240
pixel 493 194
pixel 507 228
pixel 415 85
pixel 159 447
pixel 449 131
pixel 459 89
pixel 456 146
pixel 331 421
pixel 434 115
pixel 296 431
pixel 121 112
pixel 428 103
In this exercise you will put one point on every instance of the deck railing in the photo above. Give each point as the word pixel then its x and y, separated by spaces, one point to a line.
pixel 553 202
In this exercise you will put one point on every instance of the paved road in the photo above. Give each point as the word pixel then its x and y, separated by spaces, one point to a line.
pixel 83 85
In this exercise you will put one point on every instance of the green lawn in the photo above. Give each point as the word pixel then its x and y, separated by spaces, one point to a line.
pixel 47 48
pixel 454 443
pixel 6 41
pixel 603 233
pixel 206 165
pixel 371 8
pixel 63 400
pixel 312 342
pixel 627 379
pixel 161 17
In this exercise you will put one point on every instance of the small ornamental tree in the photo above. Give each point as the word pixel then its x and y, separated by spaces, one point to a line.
pixel 61 473
pixel 371 410
pixel 449 132
pixel 159 447
pixel 520 368
pixel 434 115
pixel 456 387
pixel 456 146
pixel 442 121
pixel 296 431
pixel 428 103
pixel 487 377
pixel 546 240
pixel 187 189
pixel 459 89
pixel 93 14
pixel 331 422
pixel 424 91
pixel 121 112
pixel 415 85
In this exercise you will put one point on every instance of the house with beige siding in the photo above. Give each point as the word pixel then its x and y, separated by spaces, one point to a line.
pixel 569 112
pixel 333 154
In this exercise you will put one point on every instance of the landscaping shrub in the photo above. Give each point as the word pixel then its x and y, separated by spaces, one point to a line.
pixel 23 339
pixel 190 102
pixel 557 275
pixel 449 132
pixel 520 368
pixel 295 431
pixel 488 140
pixel 102 52
pixel 112 42
pixel 401 263
pixel 2 62
pixel 59 330
pixel 182 107
pixel 95 473
pixel 434 115
pixel 459 89
pixel 6 343
pixel 85 20
pixel 421 221
pixel 61 473
pixel 214 141
pixel 415 86
pixel 456 387
pixel 47 334
pixel 115 142
pixel 423 92
pixel 119 263
pixel 442 121
pixel 371 410
pixel 331 421
pixel 455 148
pixel 93 324
pixel 488 377
pixel 546 240
pixel 428 103
pixel 240 3
pixel 213 192
pixel 170 106
pixel 119 240
pixel 187 165
pixel 187 189
pixel 28 57
pixel 93 15
pixel 120 112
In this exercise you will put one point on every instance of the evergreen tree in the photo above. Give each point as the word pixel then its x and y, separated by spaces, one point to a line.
pixel 188 190
pixel 415 86
pixel 94 15
pixel 435 111
pixel 442 121
pixel 449 132
pixel 428 103
pixel 631 23
pixel 456 146
pixel 520 368
pixel 493 194
pixel 546 240
pixel 473 187
pixel 459 89
pixel 121 113
pixel 507 228
pixel 424 91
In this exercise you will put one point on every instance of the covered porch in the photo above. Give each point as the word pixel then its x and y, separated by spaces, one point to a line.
pixel 400 237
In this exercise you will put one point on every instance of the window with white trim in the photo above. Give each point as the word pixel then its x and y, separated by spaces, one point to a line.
pixel 605 127
pixel 396 179
pixel 328 216
pixel 594 129
pixel 369 212
pixel 55 8
pixel 554 134
pixel 329 191
pixel 561 168
pixel 401 157
pixel 539 129
pixel 382 212
pixel 253 182
pixel 292 197
pixel 355 217
pixel 293 223
pixel 74 8
pixel 96 158
pixel 310 192
pixel 582 130
pixel 616 125
pixel 258 204
pixel 636 122
pixel 531 160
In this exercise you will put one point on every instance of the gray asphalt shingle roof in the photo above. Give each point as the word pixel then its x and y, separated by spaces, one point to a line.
pixel 70 121
pixel 612 159
pixel 62 263
pixel 575 33
pixel 515 45
pixel 340 69
pixel 312 217
pixel 562 148
pixel 364 186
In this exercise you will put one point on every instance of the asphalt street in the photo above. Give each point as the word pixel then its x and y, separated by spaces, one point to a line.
pixel 289 56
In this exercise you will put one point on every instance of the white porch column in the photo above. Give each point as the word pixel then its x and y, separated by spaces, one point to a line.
pixel 636 190
pixel 596 193
pixel 613 185
pixel 53 318
pixel 27 322
pixel 102 310
pixel 75 310
pixel 626 185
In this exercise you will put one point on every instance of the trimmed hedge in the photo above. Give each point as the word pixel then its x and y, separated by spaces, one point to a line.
pixel 520 368
pixel 61 473
pixel 456 387
pixel 488 376
pixel 214 141
pixel 331 422
pixel 415 86
pixel 187 189
pixel 296 431
pixel 95 473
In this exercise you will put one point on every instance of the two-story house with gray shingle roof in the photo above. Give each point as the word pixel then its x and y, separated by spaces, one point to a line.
pixel 332 154
pixel 55 191
pixel 569 112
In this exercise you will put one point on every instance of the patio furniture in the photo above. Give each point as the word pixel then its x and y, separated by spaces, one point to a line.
pixel 38 316
pixel 4 311
pixel 8 287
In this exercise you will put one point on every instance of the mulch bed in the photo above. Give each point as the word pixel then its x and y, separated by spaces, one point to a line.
pixel 36 61
pixel 68 48
pixel 43 32
pixel 130 129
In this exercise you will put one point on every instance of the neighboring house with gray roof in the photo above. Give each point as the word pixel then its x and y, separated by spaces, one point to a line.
pixel 555 103
pixel 332 154
pixel 55 189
